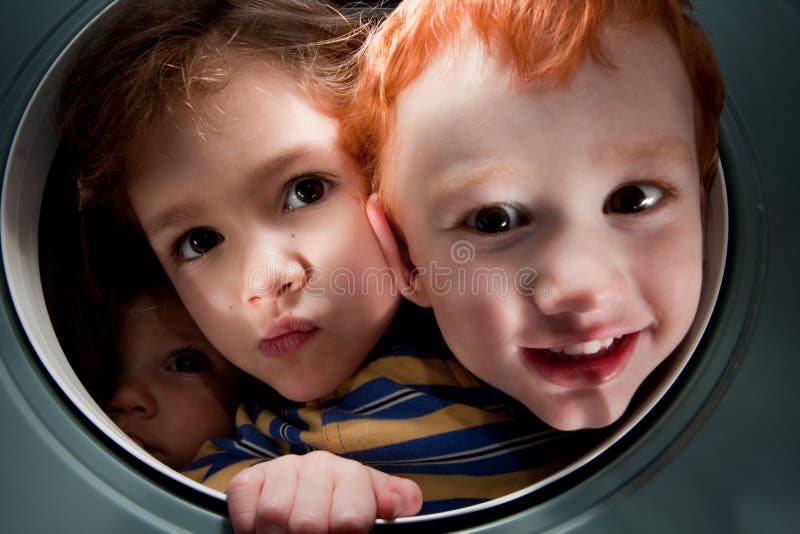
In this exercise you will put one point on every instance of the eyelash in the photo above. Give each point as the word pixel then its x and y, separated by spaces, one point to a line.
pixel 178 243
pixel 174 355
pixel 302 176
pixel 524 216
pixel 669 192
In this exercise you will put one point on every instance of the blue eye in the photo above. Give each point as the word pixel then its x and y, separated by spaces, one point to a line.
pixel 633 198
pixel 188 361
pixel 305 190
pixel 197 242
pixel 495 219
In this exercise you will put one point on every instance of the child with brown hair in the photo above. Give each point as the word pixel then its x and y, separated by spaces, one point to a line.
pixel 173 390
pixel 214 127
pixel 566 149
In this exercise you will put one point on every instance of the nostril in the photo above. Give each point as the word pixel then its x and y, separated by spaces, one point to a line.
pixel 288 287
pixel 118 411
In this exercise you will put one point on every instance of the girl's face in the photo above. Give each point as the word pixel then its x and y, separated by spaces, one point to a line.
pixel 174 391
pixel 557 232
pixel 260 225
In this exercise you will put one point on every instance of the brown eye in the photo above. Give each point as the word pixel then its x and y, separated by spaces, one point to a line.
pixel 188 361
pixel 304 191
pixel 494 219
pixel 632 199
pixel 197 242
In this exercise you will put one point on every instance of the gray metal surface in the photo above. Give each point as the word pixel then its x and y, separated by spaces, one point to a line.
pixel 721 457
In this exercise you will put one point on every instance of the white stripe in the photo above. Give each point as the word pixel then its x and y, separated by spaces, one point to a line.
pixel 247 446
pixel 493 450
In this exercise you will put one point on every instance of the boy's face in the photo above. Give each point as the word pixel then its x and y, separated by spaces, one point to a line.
pixel 559 230
pixel 259 223
pixel 174 391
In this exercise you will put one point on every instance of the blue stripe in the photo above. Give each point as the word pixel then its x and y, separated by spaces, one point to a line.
pixel 348 406
pixel 520 443
pixel 471 451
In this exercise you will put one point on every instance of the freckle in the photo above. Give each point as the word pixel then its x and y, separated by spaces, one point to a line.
pixel 230 307
pixel 292 235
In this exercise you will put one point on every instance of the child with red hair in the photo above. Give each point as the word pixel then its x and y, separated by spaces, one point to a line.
pixel 544 165
pixel 212 127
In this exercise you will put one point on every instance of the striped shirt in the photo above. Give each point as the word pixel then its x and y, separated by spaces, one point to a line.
pixel 419 416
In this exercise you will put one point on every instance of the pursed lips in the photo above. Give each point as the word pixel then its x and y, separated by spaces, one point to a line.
pixel 287 335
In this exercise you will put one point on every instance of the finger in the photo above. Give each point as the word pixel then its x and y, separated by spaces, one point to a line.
pixel 353 506
pixel 312 500
pixel 277 496
pixel 242 495
pixel 395 496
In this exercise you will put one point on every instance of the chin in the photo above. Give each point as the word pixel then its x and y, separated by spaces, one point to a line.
pixel 584 413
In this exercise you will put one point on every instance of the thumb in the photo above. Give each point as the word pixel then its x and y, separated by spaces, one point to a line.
pixel 395 496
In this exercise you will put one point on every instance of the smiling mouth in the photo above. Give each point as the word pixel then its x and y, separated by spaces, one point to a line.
pixel 588 364
pixel 583 351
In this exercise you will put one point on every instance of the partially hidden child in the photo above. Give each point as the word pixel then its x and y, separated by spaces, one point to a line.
pixel 214 126
pixel 173 391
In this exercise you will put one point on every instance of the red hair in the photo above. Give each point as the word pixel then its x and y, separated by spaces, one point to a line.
pixel 563 32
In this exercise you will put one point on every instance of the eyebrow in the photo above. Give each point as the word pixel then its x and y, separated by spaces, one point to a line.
pixel 180 213
pixel 168 218
pixel 670 148
pixel 282 161
pixel 452 183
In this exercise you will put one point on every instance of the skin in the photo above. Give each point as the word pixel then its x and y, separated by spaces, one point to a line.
pixel 227 212
pixel 174 390
pixel 318 492
pixel 276 257
pixel 471 151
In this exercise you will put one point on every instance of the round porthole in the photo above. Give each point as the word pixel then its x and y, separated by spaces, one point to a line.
pixel 666 411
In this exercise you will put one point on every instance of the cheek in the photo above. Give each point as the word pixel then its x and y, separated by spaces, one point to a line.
pixel 671 280
pixel 209 304
pixel 474 325
pixel 205 410
pixel 346 244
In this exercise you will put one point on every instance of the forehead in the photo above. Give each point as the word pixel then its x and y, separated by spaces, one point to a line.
pixel 644 60
pixel 464 89
pixel 262 113
pixel 153 309
pixel 155 318
pixel 236 94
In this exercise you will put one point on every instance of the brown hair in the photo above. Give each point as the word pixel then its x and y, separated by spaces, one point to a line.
pixel 155 55
pixel 543 41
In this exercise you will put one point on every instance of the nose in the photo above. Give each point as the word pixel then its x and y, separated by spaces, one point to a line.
pixel 580 271
pixel 271 271
pixel 131 397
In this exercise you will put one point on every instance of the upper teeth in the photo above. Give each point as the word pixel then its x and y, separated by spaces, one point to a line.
pixel 590 347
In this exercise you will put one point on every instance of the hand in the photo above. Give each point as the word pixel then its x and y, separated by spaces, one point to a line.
pixel 317 492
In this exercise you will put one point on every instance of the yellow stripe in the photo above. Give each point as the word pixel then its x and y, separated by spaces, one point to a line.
pixel 440 487
pixel 196 474
pixel 220 480
pixel 411 370
pixel 358 434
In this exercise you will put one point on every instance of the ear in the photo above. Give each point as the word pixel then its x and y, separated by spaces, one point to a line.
pixel 711 176
pixel 396 254
pixel 707 183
